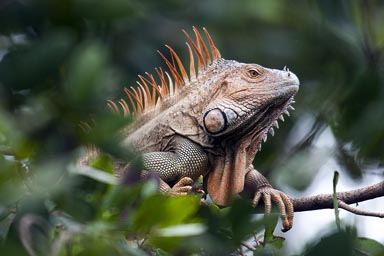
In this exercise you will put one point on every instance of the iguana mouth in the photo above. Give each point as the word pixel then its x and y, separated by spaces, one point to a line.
pixel 264 120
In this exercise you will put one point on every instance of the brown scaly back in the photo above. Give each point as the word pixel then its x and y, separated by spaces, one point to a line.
pixel 149 92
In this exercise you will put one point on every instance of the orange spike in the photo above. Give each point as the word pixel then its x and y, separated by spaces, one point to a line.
pixel 197 50
pixel 197 43
pixel 205 50
pixel 192 73
pixel 160 73
pixel 215 52
pixel 163 89
pixel 112 106
pixel 172 68
pixel 155 92
pixel 128 93
pixel 137 95
pixel 173 61
pixel 155 88
pixel 145 81
pixel 179 63
pixel 148 93
pixel 145 96
pixel 124 106
pixel 170 82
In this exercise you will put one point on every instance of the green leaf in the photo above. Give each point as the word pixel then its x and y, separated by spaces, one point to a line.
pixel 159 211
pixel 338 243
pixel 270 225
pixel 335 200
pixel 118 198
pixel 6 219
pixel 271 247
pixel 93 173
pixel 242 223
pixel 367 246
pixel 102 162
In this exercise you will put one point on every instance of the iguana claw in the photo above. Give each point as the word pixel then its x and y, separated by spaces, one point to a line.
pixel 269 194
pixel 182 187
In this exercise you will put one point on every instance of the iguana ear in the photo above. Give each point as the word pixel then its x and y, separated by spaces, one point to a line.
pixel 218 121
pixel 226 179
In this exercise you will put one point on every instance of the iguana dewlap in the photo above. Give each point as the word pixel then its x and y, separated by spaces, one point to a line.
pixel 209 121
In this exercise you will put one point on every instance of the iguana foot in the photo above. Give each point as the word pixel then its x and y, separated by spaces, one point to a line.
pixel 269 194
pixel 182 187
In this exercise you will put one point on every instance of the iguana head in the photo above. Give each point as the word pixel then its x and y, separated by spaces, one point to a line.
pixel 249 101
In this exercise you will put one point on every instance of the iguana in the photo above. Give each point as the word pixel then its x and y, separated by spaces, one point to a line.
pixel 209 121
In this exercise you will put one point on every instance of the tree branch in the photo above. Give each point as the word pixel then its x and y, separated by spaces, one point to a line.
pixel 325 201
pixel 354 210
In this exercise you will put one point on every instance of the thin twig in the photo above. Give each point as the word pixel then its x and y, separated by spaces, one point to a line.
pixel 248 246
pixel 359 211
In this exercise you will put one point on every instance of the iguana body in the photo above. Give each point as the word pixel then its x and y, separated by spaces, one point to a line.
pixel 209 123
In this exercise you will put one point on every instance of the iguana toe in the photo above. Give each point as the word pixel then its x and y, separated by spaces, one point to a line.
pixel 283 202
pixel 182 187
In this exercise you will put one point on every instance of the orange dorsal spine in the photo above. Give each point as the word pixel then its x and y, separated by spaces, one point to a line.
pixel 149 93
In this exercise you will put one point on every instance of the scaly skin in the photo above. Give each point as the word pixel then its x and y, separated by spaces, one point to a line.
pixel 213 126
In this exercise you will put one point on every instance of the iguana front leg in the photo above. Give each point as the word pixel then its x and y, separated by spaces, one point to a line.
pixel 179 167
pixel 260 188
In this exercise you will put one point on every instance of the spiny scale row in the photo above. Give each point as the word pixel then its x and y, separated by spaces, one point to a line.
pixel 276 123
pixel 148 93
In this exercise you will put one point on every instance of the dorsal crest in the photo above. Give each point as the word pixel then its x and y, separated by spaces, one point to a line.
pixel 149 92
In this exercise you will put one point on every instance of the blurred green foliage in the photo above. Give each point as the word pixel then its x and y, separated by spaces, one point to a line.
pixel 61 59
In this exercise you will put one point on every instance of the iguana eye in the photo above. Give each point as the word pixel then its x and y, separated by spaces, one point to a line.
pixel 253 73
